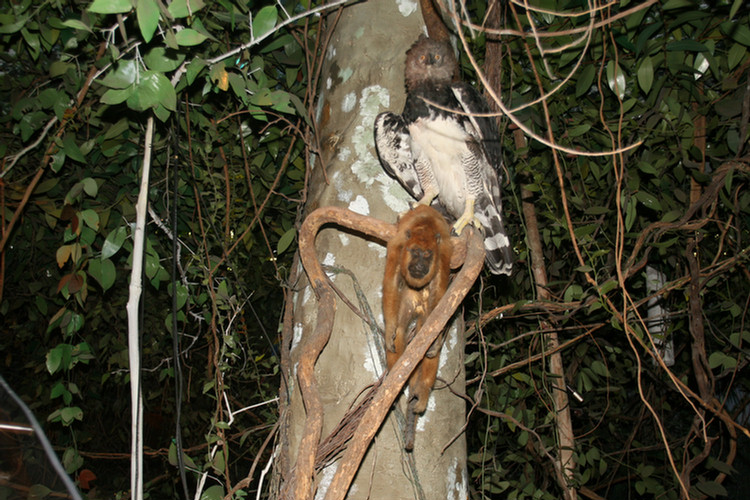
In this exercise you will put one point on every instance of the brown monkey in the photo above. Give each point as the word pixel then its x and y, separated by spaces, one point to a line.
pixel 417 269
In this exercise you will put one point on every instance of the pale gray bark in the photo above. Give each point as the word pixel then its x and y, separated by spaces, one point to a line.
pixel 363 76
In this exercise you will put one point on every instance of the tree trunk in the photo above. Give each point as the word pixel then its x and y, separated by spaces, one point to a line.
pixel 361 77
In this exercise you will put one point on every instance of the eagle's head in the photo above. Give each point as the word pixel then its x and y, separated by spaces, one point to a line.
pixel 429 61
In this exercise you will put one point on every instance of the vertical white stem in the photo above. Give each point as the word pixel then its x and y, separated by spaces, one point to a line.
pixel 134 348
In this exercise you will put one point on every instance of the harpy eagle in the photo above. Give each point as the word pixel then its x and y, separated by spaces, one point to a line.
pixel 441 147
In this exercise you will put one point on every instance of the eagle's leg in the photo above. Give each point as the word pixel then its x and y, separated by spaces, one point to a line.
pixel 466 218
pixel 429 195
pixel 427 181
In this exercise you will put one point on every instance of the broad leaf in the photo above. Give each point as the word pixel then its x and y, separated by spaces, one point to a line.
pixel 646 74
pixel 147 12
pixel 153 89
pixel 163 59
pixel 185 8
pixel 189 37
pixel 123 76
pixel 110 6
pixel 265 20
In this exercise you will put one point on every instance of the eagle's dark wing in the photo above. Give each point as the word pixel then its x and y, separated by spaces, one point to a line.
pixel 487 163
pixel 393 145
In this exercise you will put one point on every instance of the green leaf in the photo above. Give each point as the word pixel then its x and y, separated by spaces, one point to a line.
pixel 110 6
pixel 54 360
pixel 71 149
pixel 286 239
pixel 41 304
pixel 77 24
pixel 616 79
pixel 75 324
pixel 117 129
pixel 214 492
pixel 648 200
pixel 59 68
pixel 600 369
pixel 280 102
pixel 573 293
pixel 630 213
pixel 103 271
pixel 189 37
pixel 739 32
pixel 218 462
pixel 153 89
pixel 58 160
pixel 687 46
pixel 523 438
pixel 585 80
pixel 719 359
pixel 579 130
pixel 148 18
pixel 49 97
pixel 109 273
pixel 239 85
pixel 193 68
pixel 736 55
pixel 585 230
pixel 32 42
pixel 170 40
pixel 265 20
pixel 38 491
pixel 678 4
pixel 184 8
pixel 123 76
pixel 152 265
pixel 90 218
pixel 71 460
pixel 161 113
pixel 163 59
pixel 90 186
pixel 14 25
pixel 646 74
pixel 57 390
pixel 114 96
pixel 712 489
pixel 671 216
pixel 114 242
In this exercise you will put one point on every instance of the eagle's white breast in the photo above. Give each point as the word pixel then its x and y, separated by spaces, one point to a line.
pixel 442 140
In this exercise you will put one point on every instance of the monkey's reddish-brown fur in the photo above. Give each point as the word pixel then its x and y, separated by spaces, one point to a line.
pixel 417 270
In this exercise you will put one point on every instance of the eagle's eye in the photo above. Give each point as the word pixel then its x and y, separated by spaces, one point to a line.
pixel 437 57
pixel 422 58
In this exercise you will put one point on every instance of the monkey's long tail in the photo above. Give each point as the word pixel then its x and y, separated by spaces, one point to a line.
pixel 409 424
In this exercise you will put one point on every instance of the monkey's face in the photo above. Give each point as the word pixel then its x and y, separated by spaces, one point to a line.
pixel 419 264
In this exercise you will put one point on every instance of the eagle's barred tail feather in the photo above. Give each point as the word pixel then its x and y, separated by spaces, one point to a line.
pixel 499 254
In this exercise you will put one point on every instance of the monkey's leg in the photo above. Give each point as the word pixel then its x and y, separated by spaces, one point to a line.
pixel 434 350
pixel 399 344
pixel 420 385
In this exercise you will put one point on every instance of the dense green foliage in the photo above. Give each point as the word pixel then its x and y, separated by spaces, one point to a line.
pixel 674 78
pixel 78 80
pixel 227 135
